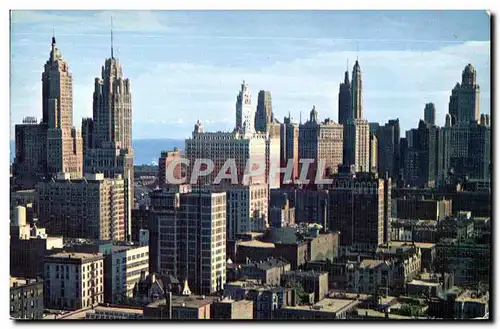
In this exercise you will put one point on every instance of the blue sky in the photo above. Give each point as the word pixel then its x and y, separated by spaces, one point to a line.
pixel 188 65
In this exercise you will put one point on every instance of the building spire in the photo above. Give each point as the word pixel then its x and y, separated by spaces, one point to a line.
pixel 53 35
pixel 112 37
pixel 357 51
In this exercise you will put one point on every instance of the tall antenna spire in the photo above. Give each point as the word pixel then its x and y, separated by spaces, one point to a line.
pixel 357 51
pixel 53 35
pixel 112 37
pixel 347 67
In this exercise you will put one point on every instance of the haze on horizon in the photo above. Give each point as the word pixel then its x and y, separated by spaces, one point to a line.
pixel 188 65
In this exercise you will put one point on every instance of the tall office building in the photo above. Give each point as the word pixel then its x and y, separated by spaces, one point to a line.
pixel 273 145
pixel 64 142
pixel 165 160
pixel 464 99
pixel 264 114
pixel 420 161
pixel 245 113
pixel 90 207
pixel 54 145
pixel 359 207
pixel 320 141
pixel 388 149
pixel 430 114
pixel 222 146
pixel 357 92
pixel 357 144
pixel 466 136
pixel 345 101
pixel 373 153
pixel 30 161
pixel 191 238
pixel 289 148
pixel 111 151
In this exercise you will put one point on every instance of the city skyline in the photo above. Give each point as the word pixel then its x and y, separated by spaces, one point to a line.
pixel 425 62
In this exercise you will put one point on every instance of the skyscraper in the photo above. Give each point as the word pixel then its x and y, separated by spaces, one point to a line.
pixel 111 152
pixel 191 244
pixel 464 99
pixel 430 114
pixel 289 149
pixel 357 144
pixel 320 141
pixel 245 114
pixel 54 145
pixel 357 92
pixel 345 101
pixel 264 114
pixel 388 149
pixel 64 142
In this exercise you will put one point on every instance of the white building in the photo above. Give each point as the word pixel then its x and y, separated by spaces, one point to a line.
pixel 73 280
pixel 245 112
pixel 127 262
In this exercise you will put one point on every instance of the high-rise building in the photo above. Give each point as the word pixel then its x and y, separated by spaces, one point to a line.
pixel 30 162
pixel 464 99
pixel 359 208
pixel 164 162
pixel 90 207
pixel 73 280
pixel 54 145
pixel 373 153
pixel 264 114
pixel 357 144
pixel 220 147
pixel 64 142
pixel 320 141
pixel 420 161
pixel 289 139
pixel 87 135
pixel 430 114
pixel 245 113
pixel 191 243
pixel 111 152
pixel 345 101
pixel 357 92
pixel 273 154
pixel 388 149
pixel 247 209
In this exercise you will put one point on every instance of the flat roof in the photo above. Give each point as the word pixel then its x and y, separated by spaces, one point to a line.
pixel 118 309
pixel 185 301
pixel 377 314
pixel 371 263
pixel 326 305
pixel 76 255
pixel 256 244
pixel 20 281
pixel 424 283
pixel 423 245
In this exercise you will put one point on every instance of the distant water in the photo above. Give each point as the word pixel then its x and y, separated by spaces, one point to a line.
pixel 146 151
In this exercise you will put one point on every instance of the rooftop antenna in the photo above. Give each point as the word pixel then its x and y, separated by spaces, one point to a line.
pixel 347 68
pixel 357 51
pixel 112 37
pixel 300 117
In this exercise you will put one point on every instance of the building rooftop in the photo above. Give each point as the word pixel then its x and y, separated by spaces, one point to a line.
pixel 267 264
pixel 326 305
pixel 473 296
pixel 371 263
pixel 18 281
pixel 422 245
pixel 75 255
pixel 300 273
pixel 192 301
pixel 256 244
pixel 81 314
pixel 362 312
pixel 417 282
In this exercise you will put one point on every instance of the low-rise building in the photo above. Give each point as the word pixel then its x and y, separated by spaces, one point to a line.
pixel 268 271
pixel 229 309
pixel 429 285
pixel 326 309
pixel 266 299
pixel 180 307
pixel 472 305
pixel 73 280
pixel 26 298
pixel 311 281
